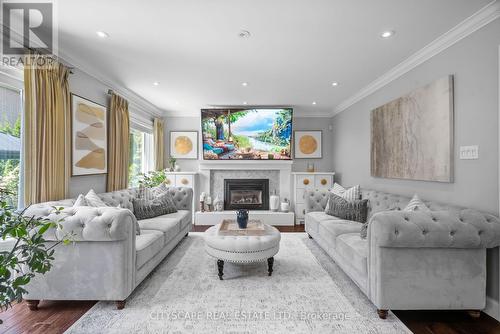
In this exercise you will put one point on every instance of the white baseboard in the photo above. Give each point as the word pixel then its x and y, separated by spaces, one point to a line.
pixel 492 308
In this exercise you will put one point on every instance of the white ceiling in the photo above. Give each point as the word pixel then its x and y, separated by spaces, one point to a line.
pixel 296 49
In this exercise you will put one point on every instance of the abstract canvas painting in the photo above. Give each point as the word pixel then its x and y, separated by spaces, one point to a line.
pixel 412 136
pixel 184 144
pixel 308 144
pixel 89 137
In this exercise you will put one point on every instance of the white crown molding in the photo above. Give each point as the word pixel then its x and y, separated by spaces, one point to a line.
pixel 473 23
pixel 135 101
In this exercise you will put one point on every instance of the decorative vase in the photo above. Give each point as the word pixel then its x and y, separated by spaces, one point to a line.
pixel 285 206
pixel 310 167
pixel 242 218
pixel 177 168
pixel 274 202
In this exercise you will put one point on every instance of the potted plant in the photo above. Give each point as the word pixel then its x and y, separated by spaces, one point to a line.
pixel 27 253
pixel 172 161
pixel 152 179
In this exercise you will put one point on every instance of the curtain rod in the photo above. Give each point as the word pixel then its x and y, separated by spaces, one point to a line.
pixel 71 68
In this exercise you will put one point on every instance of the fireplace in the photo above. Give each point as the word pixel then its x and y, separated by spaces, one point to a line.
pixel 252 194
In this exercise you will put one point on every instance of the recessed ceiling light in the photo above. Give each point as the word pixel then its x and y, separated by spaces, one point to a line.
pixel 244 34
pixel 244 84
pixel 244 102
pixel 314 103
pixel 335 84
pixel 387 34
pixel 102 34
pixel 156 83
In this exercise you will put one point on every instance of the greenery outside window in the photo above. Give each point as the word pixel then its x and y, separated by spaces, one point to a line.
pixel 10 142
pixel 141 156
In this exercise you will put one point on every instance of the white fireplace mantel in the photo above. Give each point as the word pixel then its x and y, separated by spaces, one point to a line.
pixel 283 166
pixel 246 165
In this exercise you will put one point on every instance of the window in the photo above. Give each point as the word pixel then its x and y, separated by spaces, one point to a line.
pixel 10 141
pixel 141 156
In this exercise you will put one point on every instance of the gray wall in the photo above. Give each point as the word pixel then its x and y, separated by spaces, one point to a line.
pixel 90 88
pixel 299 123
pixel 474 64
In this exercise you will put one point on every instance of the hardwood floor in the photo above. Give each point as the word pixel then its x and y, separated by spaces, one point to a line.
pixel 54 317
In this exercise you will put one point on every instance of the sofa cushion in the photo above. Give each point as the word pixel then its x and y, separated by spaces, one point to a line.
pixel 321 215
pixel 354 250
pixel 147 245
pixel 170 224
pixel 416 204
pixel 331 229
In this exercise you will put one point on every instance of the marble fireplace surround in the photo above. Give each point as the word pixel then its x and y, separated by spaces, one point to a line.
pixel 213 173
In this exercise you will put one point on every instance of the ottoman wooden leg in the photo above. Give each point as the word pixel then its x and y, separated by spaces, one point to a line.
pixel 270 263
pixel 220 266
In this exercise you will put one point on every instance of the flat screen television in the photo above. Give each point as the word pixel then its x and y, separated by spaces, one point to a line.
pixel 251 134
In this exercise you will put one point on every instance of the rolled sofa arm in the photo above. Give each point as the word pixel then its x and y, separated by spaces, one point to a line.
pixel 316 200
pixel 86 223
pixel 441 229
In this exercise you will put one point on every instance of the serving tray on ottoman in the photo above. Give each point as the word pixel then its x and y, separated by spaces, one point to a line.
pixel 230 227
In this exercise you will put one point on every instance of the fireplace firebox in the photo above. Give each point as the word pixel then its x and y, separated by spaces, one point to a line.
pixel 252 194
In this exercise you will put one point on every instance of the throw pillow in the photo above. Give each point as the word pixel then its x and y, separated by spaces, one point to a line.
pixel 150 208
pixel 352 194
pixel 80 201
pixel 94 200
pixel 340 207
pixel 416 204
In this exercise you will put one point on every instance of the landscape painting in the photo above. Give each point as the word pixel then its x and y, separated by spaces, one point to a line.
pixel 412 136
pixel 250 134
pixel 89 140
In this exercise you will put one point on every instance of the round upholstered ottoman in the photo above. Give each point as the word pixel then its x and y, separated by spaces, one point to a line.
pixel 242 248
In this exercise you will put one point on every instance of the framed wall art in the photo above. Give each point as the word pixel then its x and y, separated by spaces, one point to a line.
pixel 89 144
pixel 184 144
pixel 307 144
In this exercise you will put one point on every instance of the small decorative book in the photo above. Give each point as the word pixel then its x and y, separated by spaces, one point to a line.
pixel 230 227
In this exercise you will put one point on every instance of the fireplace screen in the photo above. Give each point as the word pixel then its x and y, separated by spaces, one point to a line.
pixel 246 194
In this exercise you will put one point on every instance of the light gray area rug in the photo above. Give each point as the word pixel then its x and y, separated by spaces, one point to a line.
pixel 307 293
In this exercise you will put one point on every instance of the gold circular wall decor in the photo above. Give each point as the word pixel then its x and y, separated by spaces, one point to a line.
pixel 306 181
pixel 307 144
pixel 183 145
pixel 323 182
pixel 184 181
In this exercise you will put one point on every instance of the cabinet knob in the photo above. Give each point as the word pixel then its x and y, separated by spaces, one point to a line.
pixel 323 182
pixel 306 181
pixel 184 181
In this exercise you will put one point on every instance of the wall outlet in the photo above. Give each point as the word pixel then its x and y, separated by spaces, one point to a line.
pixel 469 152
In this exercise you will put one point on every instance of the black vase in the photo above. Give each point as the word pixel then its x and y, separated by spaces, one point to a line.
pixel 242 218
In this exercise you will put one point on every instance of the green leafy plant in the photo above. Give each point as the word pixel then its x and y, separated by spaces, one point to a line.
pixel 30 255
pixel 152 179
pixel 171 162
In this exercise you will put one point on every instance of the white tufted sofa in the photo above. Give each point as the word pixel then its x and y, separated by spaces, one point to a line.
pixel 410 260
pixel 108 260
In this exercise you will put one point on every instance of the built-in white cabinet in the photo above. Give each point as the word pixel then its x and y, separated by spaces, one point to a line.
pixel 308 181
pixel 184 179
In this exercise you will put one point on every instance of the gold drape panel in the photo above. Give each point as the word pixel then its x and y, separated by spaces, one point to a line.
pixel 46 132
pixel 118 144
pixel 158 125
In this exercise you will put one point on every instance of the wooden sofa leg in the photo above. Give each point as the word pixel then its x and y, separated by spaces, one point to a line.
pixel 382 314
pixel 32 304
pixel 474 314
pixel 120 304
pixel 309 236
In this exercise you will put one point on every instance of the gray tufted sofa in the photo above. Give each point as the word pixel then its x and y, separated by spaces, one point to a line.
pixel 108 260
pixel 410 260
